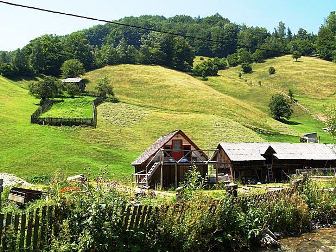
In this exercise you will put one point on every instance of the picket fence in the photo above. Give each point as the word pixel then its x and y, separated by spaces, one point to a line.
pixel 34 230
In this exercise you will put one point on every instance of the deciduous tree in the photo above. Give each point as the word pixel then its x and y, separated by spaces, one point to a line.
pixel 280 107
pixel 72 68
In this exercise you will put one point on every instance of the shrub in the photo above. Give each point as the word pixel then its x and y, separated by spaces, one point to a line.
pixel 221 63
pixel 113 99
pixel 247 68
pixel 271 70
pixel 104 88
pixel 258 56
pixel 280 107
pixel 46 88
pixel 72 89
pixel 7 70
pixel 331 120
pixel 233 60
pixel 206 68
pixel 296 55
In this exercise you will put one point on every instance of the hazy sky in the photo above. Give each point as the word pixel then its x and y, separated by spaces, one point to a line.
pixel 19 26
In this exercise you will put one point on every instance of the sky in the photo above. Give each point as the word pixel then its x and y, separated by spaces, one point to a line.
pixel 19 26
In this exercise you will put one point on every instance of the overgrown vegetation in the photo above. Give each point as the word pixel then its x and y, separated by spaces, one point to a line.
pixel 93 218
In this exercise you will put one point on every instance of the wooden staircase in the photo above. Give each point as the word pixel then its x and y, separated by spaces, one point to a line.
pixel 149 174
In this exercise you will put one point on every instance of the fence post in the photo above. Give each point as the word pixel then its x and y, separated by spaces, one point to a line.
pixel 22 232
pixel 36 229
pixel 29 231
pixel 1 190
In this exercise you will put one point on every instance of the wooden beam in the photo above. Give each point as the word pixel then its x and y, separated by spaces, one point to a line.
pixel 176 184
pixel 161 159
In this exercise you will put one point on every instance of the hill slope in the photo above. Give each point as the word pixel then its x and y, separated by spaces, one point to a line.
pixel 312 81
pixel 154 101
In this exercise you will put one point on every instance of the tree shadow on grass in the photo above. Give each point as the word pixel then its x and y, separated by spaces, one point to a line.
pixel 23 78
pixel 285 121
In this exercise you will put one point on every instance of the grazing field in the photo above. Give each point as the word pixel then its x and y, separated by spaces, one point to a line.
pixel 79 107
pixel 154 101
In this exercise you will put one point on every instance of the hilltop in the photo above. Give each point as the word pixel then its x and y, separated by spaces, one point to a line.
pixel 156 100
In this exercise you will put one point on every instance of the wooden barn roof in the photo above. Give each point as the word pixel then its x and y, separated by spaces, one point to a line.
pixel 158 144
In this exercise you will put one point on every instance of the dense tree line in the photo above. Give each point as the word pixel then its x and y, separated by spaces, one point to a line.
pixel 112 44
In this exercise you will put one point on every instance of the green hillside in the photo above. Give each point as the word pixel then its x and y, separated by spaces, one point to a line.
pixel 154 101
pixel 312 81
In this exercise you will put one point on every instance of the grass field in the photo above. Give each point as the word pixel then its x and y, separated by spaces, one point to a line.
pixel 154 101
pixel 79 107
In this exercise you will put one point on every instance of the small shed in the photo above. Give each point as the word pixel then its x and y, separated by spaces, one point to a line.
pixel 78 81
pixel 167 160
pixel 310 138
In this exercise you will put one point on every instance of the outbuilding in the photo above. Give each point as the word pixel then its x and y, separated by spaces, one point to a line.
pixel 77 81
pixel 167 160
pixel 271 161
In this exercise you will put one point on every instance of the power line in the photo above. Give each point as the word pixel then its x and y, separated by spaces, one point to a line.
pixel 107 21
pixel 122 24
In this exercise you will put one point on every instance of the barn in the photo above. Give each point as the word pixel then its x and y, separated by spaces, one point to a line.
pixel 271 161
pixel 77 81
pixel 167 160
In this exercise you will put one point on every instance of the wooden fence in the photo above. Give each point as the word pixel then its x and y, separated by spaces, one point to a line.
pixel 29 231
pixel 54 121
pixel 34 230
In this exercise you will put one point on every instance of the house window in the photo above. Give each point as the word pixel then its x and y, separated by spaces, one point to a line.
pixel 177 145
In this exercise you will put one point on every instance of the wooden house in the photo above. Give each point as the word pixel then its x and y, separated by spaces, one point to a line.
pixel 77 81
pixel 270 161
pixel 167 160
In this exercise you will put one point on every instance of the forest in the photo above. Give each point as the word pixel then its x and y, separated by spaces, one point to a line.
pixel 213 36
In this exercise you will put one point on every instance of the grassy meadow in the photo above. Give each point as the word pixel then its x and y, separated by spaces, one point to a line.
pixel 78 107
pixel 155 101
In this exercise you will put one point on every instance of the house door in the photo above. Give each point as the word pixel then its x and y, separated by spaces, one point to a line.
pixel 177 151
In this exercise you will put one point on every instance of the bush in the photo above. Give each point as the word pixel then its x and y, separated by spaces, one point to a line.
pixel 247 68
pixel 7 70
pixel 113 99
pixel 233 60
pixel 46 88
pixel 296 55
pixel 221 63
pixel 72 89
pixel 206 68
pixel 271 70
pixel 280 107
pixel 104 88
pixel 258 56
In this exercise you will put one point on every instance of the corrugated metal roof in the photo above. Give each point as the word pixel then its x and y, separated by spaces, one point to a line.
pixel 72 80
pixel 303 151
pixel 289 151
pixel 245 151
